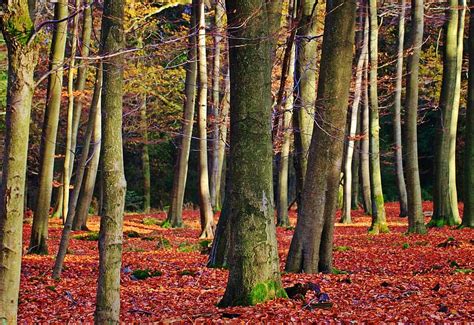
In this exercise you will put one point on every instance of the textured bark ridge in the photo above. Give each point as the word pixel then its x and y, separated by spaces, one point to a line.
pixel 111 222
pixel 254 274
pixel 16 26
pixel 311 246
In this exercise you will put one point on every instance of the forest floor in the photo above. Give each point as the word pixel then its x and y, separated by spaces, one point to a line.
pixel 389 277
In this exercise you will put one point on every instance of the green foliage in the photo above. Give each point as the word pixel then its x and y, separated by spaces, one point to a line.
pixel 405 246
pixel 163 243
pixel 338 272
pixel 145 274
pixel 265 291
pixel 132 234
pixel 90 236
pixel 133 201
pixel 342 248
pixel 464 271
pixel 186 247
pixel 148 221
pixel 187 272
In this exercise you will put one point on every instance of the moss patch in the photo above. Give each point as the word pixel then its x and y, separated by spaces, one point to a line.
pixel 265 291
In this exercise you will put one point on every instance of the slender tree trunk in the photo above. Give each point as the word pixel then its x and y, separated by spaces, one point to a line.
pixel 468 217
pixel 111 223
pixel 207 217
pixel 379 222
pixel 71 213
pixel 445 202
pixel 78 100
pixel 282 212
pixel 311 246
pixel 39 231
pixel 254 274
pixel 145 157
pixel 87 190
pixel 416 220
pixel 397 123
pixel 68 162
pixel 175 214
pixel 305 87
pixel 364 144
pixel 215 176
pixel 356 167
pixel 16 26
pixel 347 205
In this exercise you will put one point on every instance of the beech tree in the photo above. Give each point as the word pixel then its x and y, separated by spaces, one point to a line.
pixel 114 185
pixel 254 274
pixel 39 231
pixel 311 246
pixel 17 28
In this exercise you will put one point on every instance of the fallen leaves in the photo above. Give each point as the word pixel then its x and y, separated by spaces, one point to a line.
pixel 379 280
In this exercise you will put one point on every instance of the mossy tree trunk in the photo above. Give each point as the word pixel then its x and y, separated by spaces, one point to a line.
pixel 416 223
pixel 175 213
pixel 111 222
pixel 205 207
pixel 348 161
pixel 445 201
pixel 305 88
pixel 397 107
pixel 16 26
pixel 379 222
pixel 39 231
pixel 311 246
pixel 254 274
pixel 468 217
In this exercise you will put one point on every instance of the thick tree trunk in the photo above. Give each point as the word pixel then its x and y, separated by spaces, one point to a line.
pixel 39 231
pixel 416 223
pixel 145 157
pixel 111 223
pixel 468 217
pixel 305 88
pixel 364 144
pixel 215 112
pixel 71 213
pixel 311 246
pixel 445 201
pixel 175 213
pixel 16 26
pixel 282 212
pixel 254 274
pixel 347 205
pixel 379 222
pixel 397 123
pixel 205 207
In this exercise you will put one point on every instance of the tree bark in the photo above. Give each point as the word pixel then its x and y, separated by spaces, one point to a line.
pixel 207 217
pixel 416 220
pixel 364 144
pixel 305 88
pixel 468 217
pixel 379 222
pixel 445 202
pixel 175 214
pixel 16 26
pixel 145 157
pixel 254 274
pixel 311 246
pixel 39 231
pixel 397 123
pixel 347 205
pixel 111 223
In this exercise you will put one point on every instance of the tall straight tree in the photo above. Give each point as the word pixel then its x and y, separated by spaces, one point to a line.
pixel 39 230
pixel 305 88
pixel 175 213
pixel 254 274
pixel 114 185
pixel 445 198
pixel 468 217
pixel 311 246
pixel 207 218
pixel 416 222
pixel 17 26
pixel 397 106
pixel 145 155
pixel 379 222
pixel 348 161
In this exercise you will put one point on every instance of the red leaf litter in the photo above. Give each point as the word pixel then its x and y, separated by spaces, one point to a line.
pixel 383 278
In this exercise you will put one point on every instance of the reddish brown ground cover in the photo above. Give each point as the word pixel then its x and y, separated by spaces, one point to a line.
pixel 390 277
